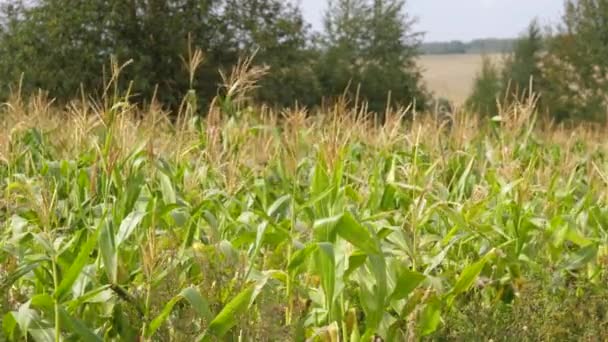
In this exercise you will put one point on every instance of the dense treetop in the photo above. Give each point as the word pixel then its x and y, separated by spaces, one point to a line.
pixel 61 46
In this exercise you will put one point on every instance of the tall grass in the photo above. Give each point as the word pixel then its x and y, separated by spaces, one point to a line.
pixel 119 223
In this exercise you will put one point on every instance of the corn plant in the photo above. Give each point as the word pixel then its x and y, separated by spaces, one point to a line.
pixel 260 227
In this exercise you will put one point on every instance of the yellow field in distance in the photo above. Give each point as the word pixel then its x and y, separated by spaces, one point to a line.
pixel 452 76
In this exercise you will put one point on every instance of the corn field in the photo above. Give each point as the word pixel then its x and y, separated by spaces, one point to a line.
pixel 252 225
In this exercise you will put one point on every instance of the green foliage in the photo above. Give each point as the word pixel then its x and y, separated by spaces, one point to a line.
pixel 64 47
pixel 511 82
pixel 60 45
pixel 536 313
pixel 521 70
pixel 575 68
pixel 486 89
pixel 370 49
pixel 277 32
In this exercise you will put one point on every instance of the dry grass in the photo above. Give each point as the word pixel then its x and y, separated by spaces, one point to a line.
pixel 452 76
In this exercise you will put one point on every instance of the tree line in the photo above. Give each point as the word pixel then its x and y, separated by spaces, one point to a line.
pixel 488 45
pixel 366 47
pixel 366 50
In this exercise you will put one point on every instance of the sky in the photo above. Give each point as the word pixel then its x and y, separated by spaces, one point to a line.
pixel 443 20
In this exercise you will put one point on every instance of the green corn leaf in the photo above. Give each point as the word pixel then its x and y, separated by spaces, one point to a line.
pixel 355 261
pixel 325 263
pixel 77 265
pixel 198 303
pixel 46 303
pixel 9 326
pixel 101 294
pixel 227 318
pixel 582 257
pixel 159 320
pixel 376 299
pixel 430 318
pixel 128 225
pixel 166 187
pixel 18 273
pixel 407 281
pixel 325 228
pixel 320 178
pixel 29 321
pixel 576 237
pixel 192 296
pixel 109 255
pixel 355 233
pixel 77 326
pixel 277 205
pixel 316 198
pixel 469 275
pixel 319 184
pixel 300 256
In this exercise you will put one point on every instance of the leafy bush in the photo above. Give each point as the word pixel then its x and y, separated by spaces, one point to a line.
pixel 486 89
pixel 575 67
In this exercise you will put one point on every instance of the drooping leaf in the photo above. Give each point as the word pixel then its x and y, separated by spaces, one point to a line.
pixel 325 228
pixel 581 257
pixel 300 256
pixel 77 265
pixel 128 225
pixel 166 187
pixel 162 317
pixel 30 322
pixel 355 233
pixel 407 281
pixel 192 296
pixel 469 275
pixel 355 261
pixel 109 255
pixel 45 302
pixel 277 205
pixel 325 265
pixel 430 318
pixel 227 318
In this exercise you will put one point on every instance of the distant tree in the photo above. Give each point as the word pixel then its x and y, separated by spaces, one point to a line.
pixel 575 68
pixel 486 89
pixel 490 45
pixel 521 68
pixel 456 46
pixel 370 46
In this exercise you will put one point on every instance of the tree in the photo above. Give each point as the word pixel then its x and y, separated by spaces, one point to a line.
pixel 55 48
pixel 276 31
pixel 521 72
pixel 486 89
pixel 60 44
pixel 575 68
pixel 369 46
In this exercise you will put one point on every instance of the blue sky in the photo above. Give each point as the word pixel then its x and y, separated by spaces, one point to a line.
pixel 465 19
